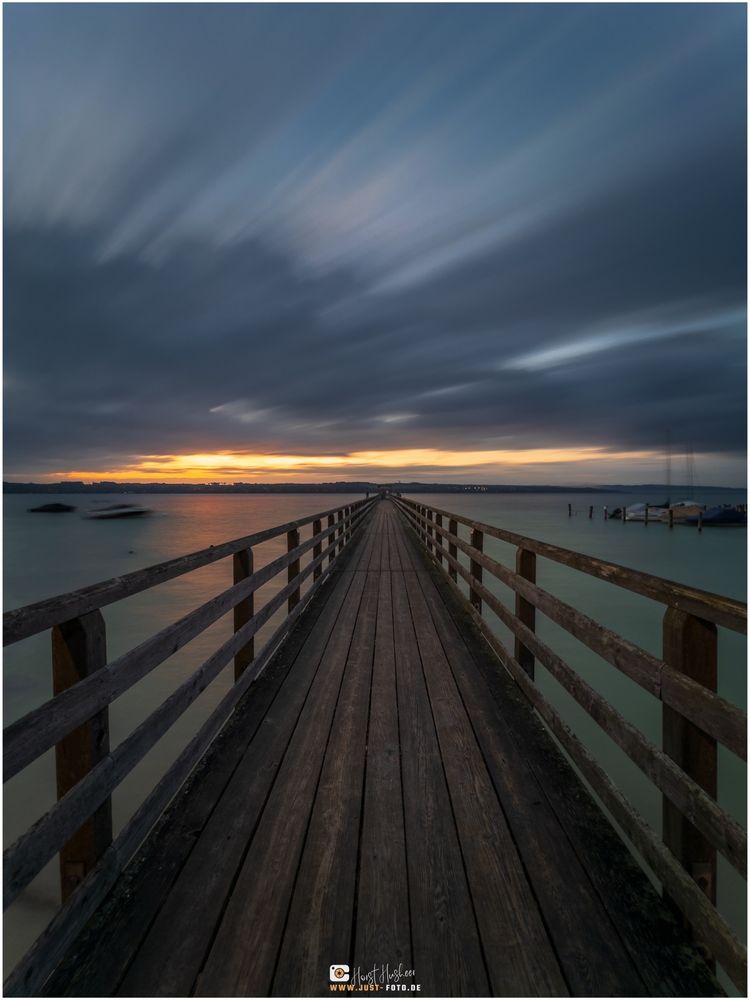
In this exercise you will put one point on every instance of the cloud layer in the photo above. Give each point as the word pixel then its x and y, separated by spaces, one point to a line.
pixel 331 230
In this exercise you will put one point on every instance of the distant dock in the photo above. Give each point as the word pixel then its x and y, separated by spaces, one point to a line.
pixel 384 784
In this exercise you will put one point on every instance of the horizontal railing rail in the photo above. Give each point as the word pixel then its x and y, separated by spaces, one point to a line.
pixel 75 721
pixel 695 717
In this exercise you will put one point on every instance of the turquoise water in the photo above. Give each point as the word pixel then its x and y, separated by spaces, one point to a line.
pixel 46 555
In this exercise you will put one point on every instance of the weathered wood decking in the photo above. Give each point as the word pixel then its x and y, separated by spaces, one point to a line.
pixel 384 794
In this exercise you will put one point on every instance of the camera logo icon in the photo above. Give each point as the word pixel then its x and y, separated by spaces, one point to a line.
pixel 339 973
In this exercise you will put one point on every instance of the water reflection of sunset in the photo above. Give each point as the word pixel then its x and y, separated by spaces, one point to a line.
pixel 241 465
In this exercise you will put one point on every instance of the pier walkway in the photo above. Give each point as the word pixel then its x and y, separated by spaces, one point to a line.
pixel 384 795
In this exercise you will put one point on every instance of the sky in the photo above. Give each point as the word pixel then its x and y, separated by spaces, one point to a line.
pixel 497 243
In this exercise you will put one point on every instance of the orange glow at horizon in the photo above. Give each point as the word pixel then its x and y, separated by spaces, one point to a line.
pixel 241 465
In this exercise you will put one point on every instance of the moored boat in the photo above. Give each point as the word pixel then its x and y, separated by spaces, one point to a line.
pixel 116 510
pixel 719 516
pixel 52 508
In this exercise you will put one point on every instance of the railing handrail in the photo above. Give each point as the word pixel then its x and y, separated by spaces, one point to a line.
pixel 684 769
pixel 725 611
pixel 21 623
pixel 86 684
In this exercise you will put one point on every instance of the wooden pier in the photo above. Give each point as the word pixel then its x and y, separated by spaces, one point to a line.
pixel 380 787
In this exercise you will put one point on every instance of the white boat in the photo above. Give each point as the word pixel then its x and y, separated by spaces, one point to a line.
pixel 637 511
pixel 116 510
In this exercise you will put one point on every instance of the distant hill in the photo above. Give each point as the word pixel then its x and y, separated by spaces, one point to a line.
pixel 105 486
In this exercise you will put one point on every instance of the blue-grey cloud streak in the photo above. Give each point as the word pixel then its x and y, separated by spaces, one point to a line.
pixel 318 228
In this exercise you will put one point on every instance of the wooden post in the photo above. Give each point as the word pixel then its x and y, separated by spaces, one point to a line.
pixel 292 541
pixel 244 611
pixel 606 515
pixel 671 518
pixel 340 532
pixel 331 547
pixel 700 520
pixel 439 538
pixel 348 519
pixel 317 549
pixel 477 542
pixel 452 549
pixel 690 646
pixel 591 511
pixel 430 532
pixel 525 611
pixel 570 510
pixel 79 647
pixel 645 516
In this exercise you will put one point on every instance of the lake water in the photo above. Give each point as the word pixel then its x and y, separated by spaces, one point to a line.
pixel 46 555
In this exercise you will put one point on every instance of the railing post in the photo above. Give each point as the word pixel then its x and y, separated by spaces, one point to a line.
pixel 340 532
pixel 79 647
pixel 292 541
pixel 348 516
pixel 477 542
pixel 243 568
pixel 317 549
pixel 331 547
pixel 690 646
pixel 430 532
pixel 452 548
pixel 525 611
pixel 439 538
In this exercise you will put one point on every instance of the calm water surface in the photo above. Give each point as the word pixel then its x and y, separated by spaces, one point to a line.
pixel 46 555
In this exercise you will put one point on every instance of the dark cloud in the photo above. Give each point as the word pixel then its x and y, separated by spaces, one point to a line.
pixel 264 274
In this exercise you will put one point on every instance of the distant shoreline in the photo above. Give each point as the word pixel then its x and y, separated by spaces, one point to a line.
pixel 341 487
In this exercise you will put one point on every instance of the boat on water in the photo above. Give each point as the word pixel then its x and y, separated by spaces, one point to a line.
pixel 52 508
pixel 682 510
pixel 117 510
pixel 719 516
pixel 637 511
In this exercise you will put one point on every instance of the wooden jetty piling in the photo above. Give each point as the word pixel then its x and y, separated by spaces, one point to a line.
pixel 290 832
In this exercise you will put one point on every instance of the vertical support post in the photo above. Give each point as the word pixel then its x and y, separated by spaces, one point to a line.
pixel 292 541
pixel 430 532
pixel 79 648
pixel 645 516
pixel 570 510
pixel 671 518
pixel 525 611
pixel 452 549
pixel 477 542
pixel 340 532
pixel 700 521
pixel 606 514
pixel 243 568
pixel 317 549
pixel 439 538
pixel 331 546
pixel 690 646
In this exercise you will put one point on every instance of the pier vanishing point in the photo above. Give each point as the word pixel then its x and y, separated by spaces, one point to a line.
pixel 385 784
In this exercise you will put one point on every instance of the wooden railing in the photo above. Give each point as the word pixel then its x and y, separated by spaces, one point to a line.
pixel 695 717
pixel 76 721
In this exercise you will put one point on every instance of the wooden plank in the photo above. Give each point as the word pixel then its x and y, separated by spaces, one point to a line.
pixel 48 950
pixel 446 947
pixel 382 932
pixel 319 924
pixel 520 957
pixel 669 965
pixel 96 963
pixel 587 943
pixel 177 943
pixel 242 957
